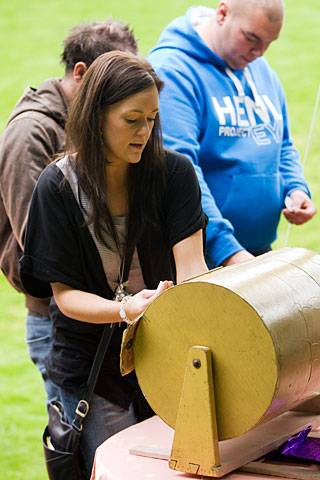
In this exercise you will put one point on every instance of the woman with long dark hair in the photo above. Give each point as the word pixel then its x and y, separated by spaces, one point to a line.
pixel 115 215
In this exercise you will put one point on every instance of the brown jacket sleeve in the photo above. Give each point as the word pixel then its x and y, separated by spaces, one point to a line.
pixel 26 147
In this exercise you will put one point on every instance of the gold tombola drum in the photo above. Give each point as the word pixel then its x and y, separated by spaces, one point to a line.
pixel 260 319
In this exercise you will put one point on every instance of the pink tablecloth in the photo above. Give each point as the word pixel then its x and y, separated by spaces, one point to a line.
pixel 114 462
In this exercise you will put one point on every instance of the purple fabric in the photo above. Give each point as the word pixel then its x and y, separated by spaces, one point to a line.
pixel 299 446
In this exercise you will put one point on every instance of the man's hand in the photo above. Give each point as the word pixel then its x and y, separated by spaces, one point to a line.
pixel 301 208
pixel 239 257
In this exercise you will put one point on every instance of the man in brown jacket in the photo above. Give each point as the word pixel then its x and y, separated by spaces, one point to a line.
pixel 33 135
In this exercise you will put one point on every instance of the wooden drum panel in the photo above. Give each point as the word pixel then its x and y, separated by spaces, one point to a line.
pixel 261 320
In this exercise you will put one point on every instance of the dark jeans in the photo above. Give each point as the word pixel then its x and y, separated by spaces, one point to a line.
pixel 103 420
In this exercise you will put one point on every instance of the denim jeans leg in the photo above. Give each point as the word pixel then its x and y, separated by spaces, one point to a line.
pixel 104 420
pixel 39 339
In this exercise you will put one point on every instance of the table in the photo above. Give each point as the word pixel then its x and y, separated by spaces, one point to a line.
pixel 114 462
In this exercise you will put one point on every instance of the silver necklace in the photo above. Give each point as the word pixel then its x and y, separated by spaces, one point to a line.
pixel 120 292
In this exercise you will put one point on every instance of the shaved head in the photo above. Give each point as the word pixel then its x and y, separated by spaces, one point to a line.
pixel 274 9
pixel 242 30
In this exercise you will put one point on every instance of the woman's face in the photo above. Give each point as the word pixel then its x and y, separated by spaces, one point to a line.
pixel 127 126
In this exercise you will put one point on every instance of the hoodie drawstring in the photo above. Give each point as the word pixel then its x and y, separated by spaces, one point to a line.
pixel 240 90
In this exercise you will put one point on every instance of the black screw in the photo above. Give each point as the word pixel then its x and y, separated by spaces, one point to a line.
pixel 196 363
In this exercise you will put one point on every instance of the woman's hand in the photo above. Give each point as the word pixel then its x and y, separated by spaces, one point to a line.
pixel 91 308
pixel 137 304
pixel 240 257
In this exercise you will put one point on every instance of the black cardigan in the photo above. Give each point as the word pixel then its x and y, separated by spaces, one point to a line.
pixel 59 248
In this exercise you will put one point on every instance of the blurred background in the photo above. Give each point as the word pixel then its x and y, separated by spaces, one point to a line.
pixel 31 35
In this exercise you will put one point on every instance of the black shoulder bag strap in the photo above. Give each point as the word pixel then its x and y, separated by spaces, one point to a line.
pixel 83 405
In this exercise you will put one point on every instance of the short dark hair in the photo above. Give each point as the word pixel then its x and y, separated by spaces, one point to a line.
pixel 89 40
pixel 113 77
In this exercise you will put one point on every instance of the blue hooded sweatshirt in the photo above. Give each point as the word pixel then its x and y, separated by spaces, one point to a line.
pixel 233 126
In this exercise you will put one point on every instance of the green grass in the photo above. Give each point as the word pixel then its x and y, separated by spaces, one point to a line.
pixel 30 42
pixel 21 395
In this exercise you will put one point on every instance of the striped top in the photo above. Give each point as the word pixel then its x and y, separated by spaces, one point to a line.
pixel 110 257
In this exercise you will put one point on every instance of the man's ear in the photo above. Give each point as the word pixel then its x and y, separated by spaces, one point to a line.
pixel 222 11
pixel 79 70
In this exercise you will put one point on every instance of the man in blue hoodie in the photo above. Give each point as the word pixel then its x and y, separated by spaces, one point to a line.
pixel 224 108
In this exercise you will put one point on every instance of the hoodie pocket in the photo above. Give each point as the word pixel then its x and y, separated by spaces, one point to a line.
pixel 253 205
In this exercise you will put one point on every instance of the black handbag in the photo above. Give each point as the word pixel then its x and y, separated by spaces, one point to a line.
pixel 61 441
